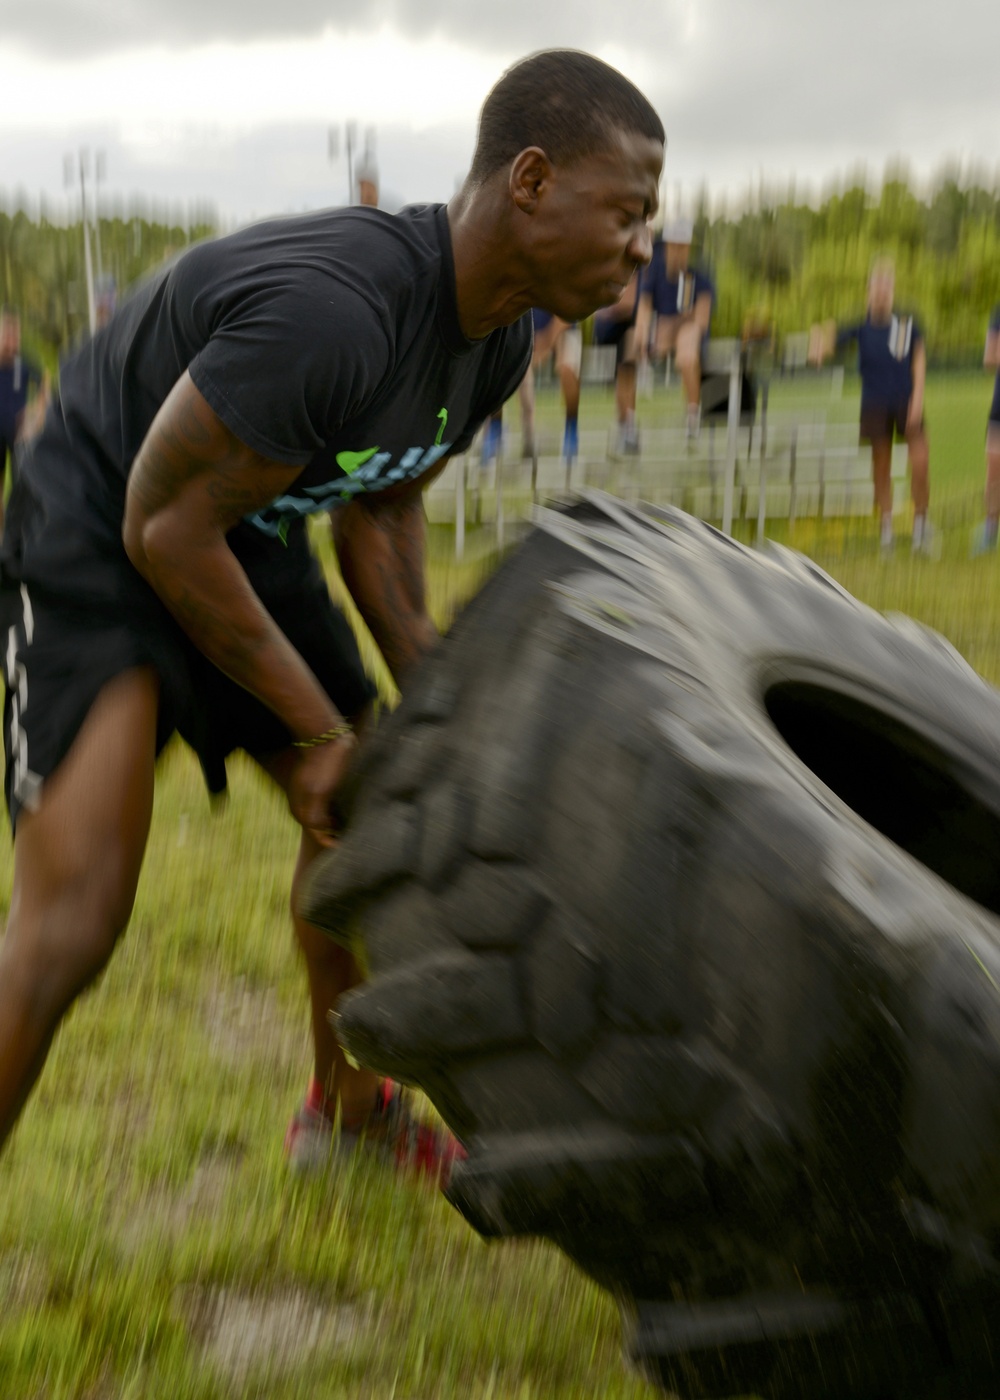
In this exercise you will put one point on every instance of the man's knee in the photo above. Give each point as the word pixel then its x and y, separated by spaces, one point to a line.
pixel 665 342
pixel 627 353
pixel 55 947
pixel 570 350
pixel 688 353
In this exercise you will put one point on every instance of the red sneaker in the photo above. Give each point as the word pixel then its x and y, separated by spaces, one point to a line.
pixel 312 1141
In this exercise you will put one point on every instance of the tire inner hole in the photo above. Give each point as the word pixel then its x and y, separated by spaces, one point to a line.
pixel 895 779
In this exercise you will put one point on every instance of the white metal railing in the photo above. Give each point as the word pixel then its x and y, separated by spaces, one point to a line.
pixel 786 465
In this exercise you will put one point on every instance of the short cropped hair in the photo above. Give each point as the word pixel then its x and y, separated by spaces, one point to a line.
pixel 568 103
pixel 882 266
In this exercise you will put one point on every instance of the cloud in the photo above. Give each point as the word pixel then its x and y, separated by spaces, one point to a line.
pixel 891 71
pixel 380 77
pixel 81 27
pixel 869 77
pixel 189 90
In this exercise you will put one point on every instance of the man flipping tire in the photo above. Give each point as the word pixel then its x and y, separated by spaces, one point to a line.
pixel 156 574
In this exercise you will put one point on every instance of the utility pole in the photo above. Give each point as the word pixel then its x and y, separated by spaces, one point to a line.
pixel 350 142
pixel 100 170
pixel 84 168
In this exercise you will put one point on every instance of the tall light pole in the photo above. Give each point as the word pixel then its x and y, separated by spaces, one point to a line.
pixel 350 142
pixel 84 167
pixel 100 171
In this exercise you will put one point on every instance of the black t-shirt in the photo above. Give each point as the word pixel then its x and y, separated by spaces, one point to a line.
pixel 885 358
pixel 329 341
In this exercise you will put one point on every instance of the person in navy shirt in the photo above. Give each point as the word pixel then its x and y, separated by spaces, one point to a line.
pixel 991 360
pixel 681 298
pixel 892 361
pixel 156 572
pixel 19 380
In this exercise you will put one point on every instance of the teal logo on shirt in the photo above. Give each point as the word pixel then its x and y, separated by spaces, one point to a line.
pixel 349 462
pixel 368 470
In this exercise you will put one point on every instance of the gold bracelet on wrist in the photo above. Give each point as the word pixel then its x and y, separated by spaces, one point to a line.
pixel 339 731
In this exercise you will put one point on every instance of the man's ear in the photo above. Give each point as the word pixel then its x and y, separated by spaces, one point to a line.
pixel 530 173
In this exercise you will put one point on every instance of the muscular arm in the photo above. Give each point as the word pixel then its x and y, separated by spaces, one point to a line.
pixel 191 482
pixel 380 545
pixel 702 314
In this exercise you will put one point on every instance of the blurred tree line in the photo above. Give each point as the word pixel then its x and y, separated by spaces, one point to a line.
pixel 789 264
pixel 784 262
pixel 42 271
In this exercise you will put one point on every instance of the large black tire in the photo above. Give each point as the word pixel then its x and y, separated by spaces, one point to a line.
pixel 677 874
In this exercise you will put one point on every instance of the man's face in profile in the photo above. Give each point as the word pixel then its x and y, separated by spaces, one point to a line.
pixel 592 225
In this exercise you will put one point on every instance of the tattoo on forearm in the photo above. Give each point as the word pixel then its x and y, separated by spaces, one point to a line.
pixel 188 441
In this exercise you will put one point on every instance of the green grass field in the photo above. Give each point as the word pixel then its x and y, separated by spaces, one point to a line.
pixel 151 1242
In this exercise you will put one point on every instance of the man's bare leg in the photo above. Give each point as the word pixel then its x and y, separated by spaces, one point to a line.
pixel 569 381
pixel 882 478
pixel 569 356
pixel 920 483
pixel 337 1086
pixel 993 473
pixel 625 382
pixel 330 971
pixel 526 395
pixel 992 484
pixel 665 338
pixel 688 359
pixel 76 866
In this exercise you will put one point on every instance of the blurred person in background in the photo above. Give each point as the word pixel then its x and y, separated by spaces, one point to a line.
pixel 616 325
pixel 564 341
pixel 681 298
pixel 156 574
pixel 987 538
pixel 892 362
pixel 20 381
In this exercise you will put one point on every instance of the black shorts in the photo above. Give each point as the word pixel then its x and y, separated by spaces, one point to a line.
pixel 614 333
pixel 883 422
pixel 58 656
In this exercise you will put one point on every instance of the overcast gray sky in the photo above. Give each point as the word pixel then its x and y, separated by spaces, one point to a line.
pixel 230 100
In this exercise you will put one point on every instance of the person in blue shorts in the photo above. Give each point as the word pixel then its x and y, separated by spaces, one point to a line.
pixel 681 298
pixel 616 326
pixel 991 360
pixel 892 361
